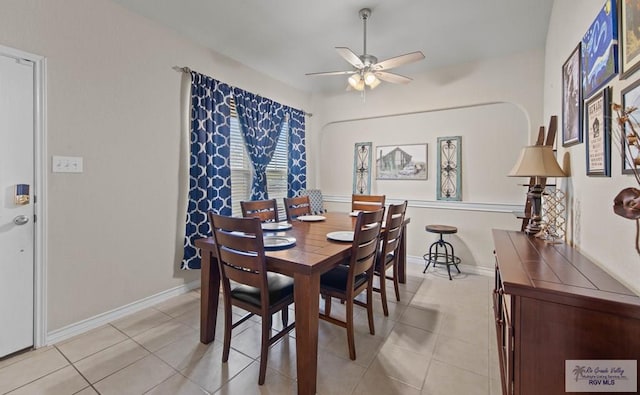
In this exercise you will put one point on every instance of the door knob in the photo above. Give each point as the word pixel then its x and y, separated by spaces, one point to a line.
pixel 21 220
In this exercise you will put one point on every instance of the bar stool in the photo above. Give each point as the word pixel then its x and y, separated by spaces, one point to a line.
pixel 447 257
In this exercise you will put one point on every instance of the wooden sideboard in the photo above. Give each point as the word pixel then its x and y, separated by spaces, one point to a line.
pixel 553 304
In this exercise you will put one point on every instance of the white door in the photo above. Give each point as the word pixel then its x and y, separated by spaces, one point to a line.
pixel 16 219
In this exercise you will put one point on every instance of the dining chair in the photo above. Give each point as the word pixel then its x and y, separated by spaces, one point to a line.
pixel 315 200
pixel 367 202
pixel 389 252
pixel 297 206
pixel 347 281
pixel 241 258
pixel 266 210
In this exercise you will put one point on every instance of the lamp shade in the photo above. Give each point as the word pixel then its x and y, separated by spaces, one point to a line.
pixel 537 161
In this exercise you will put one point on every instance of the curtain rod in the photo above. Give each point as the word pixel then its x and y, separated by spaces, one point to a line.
pixel 188 71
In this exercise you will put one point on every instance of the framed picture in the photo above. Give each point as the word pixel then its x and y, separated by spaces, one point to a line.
pixel 600 50
pixel 571 100
pixel 401 162
pixel 449 168
pixel 598 131
pixel 362 169
pixel 630 37
pixel 630 153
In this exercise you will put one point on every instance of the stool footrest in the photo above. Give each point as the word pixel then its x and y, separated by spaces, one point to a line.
pixel 447 257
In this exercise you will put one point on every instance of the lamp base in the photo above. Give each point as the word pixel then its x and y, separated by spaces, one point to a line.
pixel 533 227
pixel 535 197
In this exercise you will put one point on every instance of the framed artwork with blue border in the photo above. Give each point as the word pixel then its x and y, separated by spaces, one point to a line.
pixel 449 185
pixel 598 133
pixel 600 50
pixel 362 169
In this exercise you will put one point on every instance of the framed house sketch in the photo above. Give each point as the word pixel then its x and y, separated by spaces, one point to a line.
pixel 401 162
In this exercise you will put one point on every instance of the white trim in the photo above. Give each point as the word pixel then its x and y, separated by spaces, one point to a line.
pixel 80 327
pixel 40 278
pixel 40 180
pixel 471 269
pixel 443 205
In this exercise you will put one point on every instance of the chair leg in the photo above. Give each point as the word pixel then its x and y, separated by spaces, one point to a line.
pixel 327 305
pixel 228 325
pixel 395 280
pixel 383 292
pixel 372 329
pixel 285 316
pixel 264 347
pixel 350 335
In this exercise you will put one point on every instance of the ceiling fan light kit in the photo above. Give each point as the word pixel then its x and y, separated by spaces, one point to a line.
pixel 367 70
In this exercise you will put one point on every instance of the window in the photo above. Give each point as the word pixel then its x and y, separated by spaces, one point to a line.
pixel 242 170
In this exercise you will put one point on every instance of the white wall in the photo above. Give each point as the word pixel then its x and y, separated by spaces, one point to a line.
pixel 605 237
pixel 114 99
pixel 495 105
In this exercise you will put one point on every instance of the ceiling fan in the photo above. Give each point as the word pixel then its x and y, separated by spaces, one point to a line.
pixel 367 70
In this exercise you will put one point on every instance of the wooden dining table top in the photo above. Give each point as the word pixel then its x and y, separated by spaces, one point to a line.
pixel 313 251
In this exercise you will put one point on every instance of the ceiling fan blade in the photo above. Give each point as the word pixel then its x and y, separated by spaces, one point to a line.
pixel 333 73
pixel 392 77
pixel 399 61
pixel 350 57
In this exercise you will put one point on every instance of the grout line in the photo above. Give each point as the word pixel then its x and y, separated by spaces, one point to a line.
pixel 76 369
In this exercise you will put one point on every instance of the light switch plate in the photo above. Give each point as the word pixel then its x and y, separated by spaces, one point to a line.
pixel 67 164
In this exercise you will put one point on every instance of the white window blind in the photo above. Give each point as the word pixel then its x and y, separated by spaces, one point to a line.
pixel 242 170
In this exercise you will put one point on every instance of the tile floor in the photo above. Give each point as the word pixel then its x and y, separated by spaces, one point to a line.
pixel 438 340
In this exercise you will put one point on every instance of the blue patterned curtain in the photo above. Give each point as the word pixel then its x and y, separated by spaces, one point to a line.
pixel 297 177
pixel 210 172
pixel 261 123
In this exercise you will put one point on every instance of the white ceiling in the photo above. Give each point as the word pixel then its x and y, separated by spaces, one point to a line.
pixel 287 38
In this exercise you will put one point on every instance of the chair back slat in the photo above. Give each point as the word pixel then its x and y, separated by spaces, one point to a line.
pixel 265 210
pixel 240 250
pixel 367 202
pixel 297 206
pixel 365 242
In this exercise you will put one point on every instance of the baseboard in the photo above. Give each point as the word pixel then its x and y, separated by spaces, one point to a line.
pixel 471 269
pixel 80 327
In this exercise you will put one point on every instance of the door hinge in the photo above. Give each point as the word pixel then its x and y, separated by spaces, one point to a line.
pixel 35 199
pixel 35 218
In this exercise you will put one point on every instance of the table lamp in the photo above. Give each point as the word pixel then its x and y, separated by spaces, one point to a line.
pixel 537 162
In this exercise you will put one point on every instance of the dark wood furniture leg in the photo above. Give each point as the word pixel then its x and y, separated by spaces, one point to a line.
pixel 402 257
pixel 209 292
pixel 306 293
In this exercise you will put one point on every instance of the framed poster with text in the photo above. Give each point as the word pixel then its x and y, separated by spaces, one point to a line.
pixel 598 133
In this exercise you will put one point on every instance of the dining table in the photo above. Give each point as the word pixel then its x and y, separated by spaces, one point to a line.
pixel 312 255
